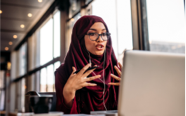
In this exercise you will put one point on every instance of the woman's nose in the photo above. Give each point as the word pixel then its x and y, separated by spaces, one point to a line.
pixel 99 38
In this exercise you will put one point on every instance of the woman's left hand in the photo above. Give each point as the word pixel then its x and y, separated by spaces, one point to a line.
pixel 116 77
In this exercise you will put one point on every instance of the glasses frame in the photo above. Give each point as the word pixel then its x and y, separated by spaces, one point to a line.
pixel 108 34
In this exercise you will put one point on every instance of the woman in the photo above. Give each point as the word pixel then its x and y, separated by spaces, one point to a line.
pixel 93 90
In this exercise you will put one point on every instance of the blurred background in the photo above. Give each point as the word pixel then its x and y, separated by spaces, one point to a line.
pixel 36 34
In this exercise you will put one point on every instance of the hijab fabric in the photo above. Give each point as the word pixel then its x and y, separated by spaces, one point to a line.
pixel 88 98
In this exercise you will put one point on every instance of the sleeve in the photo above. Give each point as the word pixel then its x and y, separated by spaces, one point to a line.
pixel 60 104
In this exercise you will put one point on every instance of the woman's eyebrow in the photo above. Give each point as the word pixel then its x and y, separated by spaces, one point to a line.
pixel 96 30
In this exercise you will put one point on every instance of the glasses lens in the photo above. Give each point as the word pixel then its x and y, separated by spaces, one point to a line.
pixel 104 36
pixel 93 36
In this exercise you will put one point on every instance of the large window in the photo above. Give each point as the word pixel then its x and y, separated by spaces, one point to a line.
pixel 57 33
pixel 46 41
pixel 47 81
pixel 166 25
pixel 2 92
pixel 117 16
pixel 106 9
pixel 49 49
pixel 22 70
pixel 50 39
pixel 23 60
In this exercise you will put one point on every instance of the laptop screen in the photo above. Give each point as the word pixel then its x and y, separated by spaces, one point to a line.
pixel 152 84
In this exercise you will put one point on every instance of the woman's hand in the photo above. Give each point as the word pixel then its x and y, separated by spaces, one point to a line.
pixel 76 82
pixel 116 77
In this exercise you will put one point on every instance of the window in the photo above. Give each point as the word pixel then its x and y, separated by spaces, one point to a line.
pixel 124 27
pixel 22 70
pixel 106 9
pixel 117 16
pixel 2 81
pixel 49 49
pixel 47 82
pixel 166 25
pixel 50 39
pixel 56 65
pixel 57 33
pixel 2 92
pixel 46 40
pixel 50 78
pixel 43 80
pixel 22 60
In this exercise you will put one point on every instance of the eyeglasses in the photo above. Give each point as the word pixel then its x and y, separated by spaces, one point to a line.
pixel 95 36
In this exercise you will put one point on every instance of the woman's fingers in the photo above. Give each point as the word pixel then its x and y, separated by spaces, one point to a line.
pixel 117 70
pixel 88 72
pixel 89 84
pixel 115 77
pixel 73 70
pixel 92 78
pixel 117 84
pixel 84 69
pixel 120 66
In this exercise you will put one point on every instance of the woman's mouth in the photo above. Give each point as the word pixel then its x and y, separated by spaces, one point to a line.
pixel 99 47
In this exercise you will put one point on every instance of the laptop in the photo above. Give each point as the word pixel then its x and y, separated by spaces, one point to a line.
pixel 152 84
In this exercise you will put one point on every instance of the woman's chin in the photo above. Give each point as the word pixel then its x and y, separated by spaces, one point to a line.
pixel 98 53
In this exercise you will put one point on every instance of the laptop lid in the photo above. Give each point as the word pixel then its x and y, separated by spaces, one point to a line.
pixel 152 84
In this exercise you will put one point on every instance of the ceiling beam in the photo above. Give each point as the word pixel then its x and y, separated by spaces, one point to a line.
pixel 26 6
pixel 15 19
pixel 12 31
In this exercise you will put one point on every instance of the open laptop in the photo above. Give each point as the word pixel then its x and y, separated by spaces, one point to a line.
pixel 152 84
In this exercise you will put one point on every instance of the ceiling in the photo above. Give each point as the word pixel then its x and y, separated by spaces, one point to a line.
pixel 14 13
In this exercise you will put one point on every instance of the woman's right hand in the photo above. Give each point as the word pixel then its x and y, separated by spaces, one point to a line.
pixel 76 82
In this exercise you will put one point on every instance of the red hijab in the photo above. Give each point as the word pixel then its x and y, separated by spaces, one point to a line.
pixel 88 98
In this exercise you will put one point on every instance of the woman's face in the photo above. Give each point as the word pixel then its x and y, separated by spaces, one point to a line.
pixel 96 47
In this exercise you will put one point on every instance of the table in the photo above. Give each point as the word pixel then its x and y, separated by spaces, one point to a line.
pixel 56 114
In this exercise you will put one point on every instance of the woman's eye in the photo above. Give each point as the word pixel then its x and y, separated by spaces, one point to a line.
pixel 91 34
pixel 104 34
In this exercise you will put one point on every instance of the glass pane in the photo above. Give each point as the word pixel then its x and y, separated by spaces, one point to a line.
pixel 57 34
pixel 2 100
pixel 124 27
pixel 21 95
pixel 2 76
pixel 56 65
pixel 46 40
pixel 22 59
pixel 43 80
pixel 50 78
pixel 166 25
pixel 109 17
